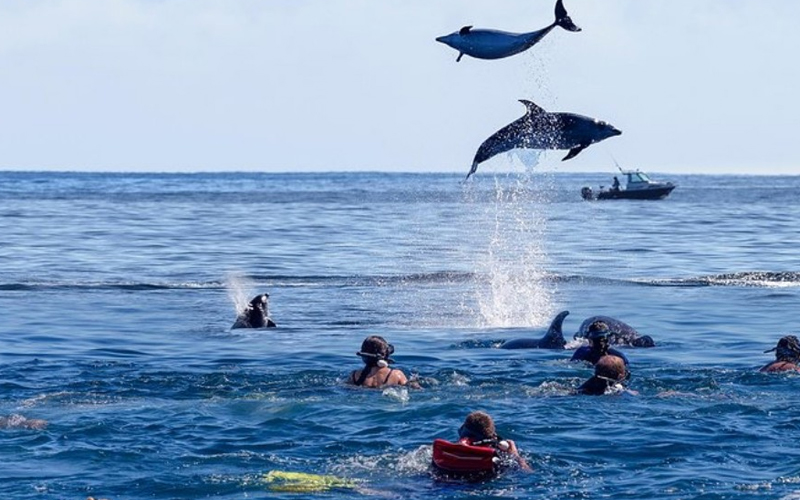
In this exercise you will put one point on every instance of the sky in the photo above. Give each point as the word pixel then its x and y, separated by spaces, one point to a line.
pixel 696 86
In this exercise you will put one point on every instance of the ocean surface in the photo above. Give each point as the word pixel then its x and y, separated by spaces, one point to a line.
pixel 118 292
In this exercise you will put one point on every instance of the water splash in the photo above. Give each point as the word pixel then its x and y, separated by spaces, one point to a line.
pixel 518 293
pixel 240 288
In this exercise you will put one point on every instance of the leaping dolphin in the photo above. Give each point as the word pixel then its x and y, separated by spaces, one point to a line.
pixel 539 129
pixel 495 44
pixel 553 339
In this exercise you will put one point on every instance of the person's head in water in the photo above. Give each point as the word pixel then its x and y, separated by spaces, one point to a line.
pixel 375 351
pixel 478 427
pixel 611 368
pixel 609 371
pixel 478 430
pixel 598 334
pixel 788 349
pixel 787 355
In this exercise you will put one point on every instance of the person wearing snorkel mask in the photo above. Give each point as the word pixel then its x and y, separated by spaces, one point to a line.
pixel 787 355
pixel 478 430
pixel 598 347
pixel 375 352
pixel 609 373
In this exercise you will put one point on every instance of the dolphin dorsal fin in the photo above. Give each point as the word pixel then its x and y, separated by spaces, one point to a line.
pixel 533 108
pixel 464 30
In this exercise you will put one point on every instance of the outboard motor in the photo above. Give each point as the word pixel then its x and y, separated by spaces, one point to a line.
pixel 586 193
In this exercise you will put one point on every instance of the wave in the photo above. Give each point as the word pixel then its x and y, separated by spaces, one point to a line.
pixel 443 277
pixel 764 279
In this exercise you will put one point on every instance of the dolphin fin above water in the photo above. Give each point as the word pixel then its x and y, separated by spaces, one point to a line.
pixel 553 339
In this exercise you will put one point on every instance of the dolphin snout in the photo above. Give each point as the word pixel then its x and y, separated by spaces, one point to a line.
pixel 440 39
pixel 615 131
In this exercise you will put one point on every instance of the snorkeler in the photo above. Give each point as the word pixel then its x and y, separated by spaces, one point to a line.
pixel 787 356
pixel 479 452
pixel 609 373
pixel 598 347
pixel 375 352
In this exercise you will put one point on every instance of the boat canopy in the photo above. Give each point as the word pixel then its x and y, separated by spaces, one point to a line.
pixel 637 176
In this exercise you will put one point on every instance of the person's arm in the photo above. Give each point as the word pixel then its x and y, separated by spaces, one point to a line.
pixel 579 354
pixel 512 450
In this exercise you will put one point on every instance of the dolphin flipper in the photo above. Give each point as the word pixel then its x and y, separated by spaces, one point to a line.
pixel 473 169
pixel 573 152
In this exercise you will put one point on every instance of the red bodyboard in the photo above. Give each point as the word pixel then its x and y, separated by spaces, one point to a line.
pixel 463 458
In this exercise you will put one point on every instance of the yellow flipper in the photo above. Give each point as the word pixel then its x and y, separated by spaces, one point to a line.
pixel 301 482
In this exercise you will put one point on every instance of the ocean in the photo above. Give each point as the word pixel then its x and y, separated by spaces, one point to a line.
pixel 118 292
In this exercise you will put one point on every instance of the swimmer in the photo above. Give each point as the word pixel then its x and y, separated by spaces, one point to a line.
pixel 375 352
pixel 609 373
pixel 478 430
pixel 598 347
pixel 20 422
pixel 787 356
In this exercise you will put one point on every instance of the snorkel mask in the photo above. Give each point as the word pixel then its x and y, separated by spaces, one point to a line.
pixel 788 349
pixel 375 351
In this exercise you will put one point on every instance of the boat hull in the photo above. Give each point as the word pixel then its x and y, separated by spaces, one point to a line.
pixel 652 193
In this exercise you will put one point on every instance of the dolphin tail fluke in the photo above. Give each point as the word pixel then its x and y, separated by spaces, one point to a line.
pixel 563 19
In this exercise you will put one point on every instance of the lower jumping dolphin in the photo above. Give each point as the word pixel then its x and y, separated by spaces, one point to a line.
pixel 256 315
pixel 553 339
pixel 539 129
pixel 495 44
pixel 621 332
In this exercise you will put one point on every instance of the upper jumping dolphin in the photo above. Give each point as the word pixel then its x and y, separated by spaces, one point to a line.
pixel 495 44
pixel 539 129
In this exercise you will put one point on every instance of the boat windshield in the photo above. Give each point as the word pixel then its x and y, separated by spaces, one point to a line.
pixel 634 177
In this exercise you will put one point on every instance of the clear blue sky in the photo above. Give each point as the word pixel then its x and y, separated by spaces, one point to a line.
pixel 706 86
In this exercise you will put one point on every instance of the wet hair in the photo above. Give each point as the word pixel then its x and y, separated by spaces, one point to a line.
pixel 611 368
pixel 787 349
pixel 598 330
pixel 478 426
pixel 375 349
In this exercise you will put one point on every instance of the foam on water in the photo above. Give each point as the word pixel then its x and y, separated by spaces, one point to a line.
pixel 239 289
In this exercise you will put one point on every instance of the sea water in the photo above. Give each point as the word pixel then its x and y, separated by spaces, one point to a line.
pixel 118 291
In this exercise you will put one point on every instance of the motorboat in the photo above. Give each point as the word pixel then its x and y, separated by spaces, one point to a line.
pixel 638 186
